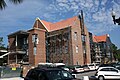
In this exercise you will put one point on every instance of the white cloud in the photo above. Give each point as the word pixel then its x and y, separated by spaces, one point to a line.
pixel 96 2
pixel 97 13
pixel 94 10
pixel 103 2
pixel 99 16
pixel 20 16
pixel 116 8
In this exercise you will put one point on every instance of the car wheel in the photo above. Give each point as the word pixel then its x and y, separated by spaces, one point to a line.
pixel 100 78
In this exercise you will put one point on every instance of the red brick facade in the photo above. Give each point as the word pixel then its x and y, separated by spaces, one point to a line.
pixel 40 55
pixel 69 27
pixel 69 51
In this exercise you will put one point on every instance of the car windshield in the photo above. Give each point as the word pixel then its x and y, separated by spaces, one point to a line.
pixel 10 72
pixel 59 75
pixel 84 66
pixel 78 66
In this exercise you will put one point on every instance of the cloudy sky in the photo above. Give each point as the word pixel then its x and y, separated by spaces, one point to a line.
pixel 97 15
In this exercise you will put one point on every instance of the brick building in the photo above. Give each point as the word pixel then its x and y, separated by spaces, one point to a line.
pixel 101 51
pixel 66 41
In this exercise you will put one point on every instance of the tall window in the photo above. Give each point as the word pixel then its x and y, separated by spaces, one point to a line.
pixel 76 49
pixel 77 63
pixel 83 38
pixel 35 50
pixel 35 39
pixel 66 49
pixel 75 35
pixel 35 42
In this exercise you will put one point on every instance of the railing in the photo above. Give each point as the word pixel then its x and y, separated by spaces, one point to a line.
pixel 15 60
pixel 17 51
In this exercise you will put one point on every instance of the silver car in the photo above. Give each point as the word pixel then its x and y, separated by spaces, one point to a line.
pixel 7 73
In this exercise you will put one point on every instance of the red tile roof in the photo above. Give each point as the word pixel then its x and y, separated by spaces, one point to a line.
pixel 59 25
pixel 102 38
pixel 47 24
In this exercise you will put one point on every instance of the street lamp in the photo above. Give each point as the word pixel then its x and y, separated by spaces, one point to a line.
pixel 115 20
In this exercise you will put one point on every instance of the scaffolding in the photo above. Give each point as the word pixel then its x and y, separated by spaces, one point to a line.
pixel 57 45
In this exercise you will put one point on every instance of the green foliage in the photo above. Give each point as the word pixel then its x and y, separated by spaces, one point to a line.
pixel 116 52
pixel 117 55
pixel 114 48
pixel 1 43
pixel 3 3
pixel 2 60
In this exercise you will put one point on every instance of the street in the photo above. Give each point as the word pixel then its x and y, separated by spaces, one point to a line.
pixel 89 74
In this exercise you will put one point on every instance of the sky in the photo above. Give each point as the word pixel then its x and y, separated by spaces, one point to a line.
pixel 97 15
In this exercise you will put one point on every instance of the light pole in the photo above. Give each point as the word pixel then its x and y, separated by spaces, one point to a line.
pixel 115 20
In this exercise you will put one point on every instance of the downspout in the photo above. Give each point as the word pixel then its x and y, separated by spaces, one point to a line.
pixel 16 48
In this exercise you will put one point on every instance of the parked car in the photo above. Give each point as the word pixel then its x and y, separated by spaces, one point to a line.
pixel 105 65
pixel 92 66
pixel 86 68
pixel 61 65
pixel 107 73
pixel 76 69
pixel 58 65
pixel 39 73
pixel 115 64
pixel 65 68
pixel 7 73
pixel 97 66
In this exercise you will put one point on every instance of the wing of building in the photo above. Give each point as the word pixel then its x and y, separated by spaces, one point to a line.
pixel 101 51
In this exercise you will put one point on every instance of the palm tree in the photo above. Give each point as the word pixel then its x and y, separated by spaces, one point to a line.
pixel 3 3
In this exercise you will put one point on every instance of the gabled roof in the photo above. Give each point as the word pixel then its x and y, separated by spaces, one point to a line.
pixel 47 24
pixel 58 25
pixel 63 24
pixel 102 38
pixel 41 24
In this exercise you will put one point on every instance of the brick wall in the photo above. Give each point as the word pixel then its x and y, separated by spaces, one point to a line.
pixel 40 55
pixel 78 57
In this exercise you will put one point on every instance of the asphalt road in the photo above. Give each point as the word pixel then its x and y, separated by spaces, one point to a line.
pixel 89 74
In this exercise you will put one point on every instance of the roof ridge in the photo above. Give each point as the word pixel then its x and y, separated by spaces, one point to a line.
pixel 101 38
pixel 58 25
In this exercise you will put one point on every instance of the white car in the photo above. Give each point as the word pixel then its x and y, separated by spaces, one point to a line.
pixel 97 66
pixel 107 73
pixel 86 68
pixel 92 66
pixel 76 69
pixel 79 69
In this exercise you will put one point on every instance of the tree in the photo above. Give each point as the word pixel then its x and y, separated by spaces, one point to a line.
pixel 3 60
pixel 114 48
pixel 116 52
pixel 1 43
pixel 3 3
pixel 117 55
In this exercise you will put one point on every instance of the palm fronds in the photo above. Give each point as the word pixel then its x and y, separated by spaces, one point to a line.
pixel 3 3
pixel 16 1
